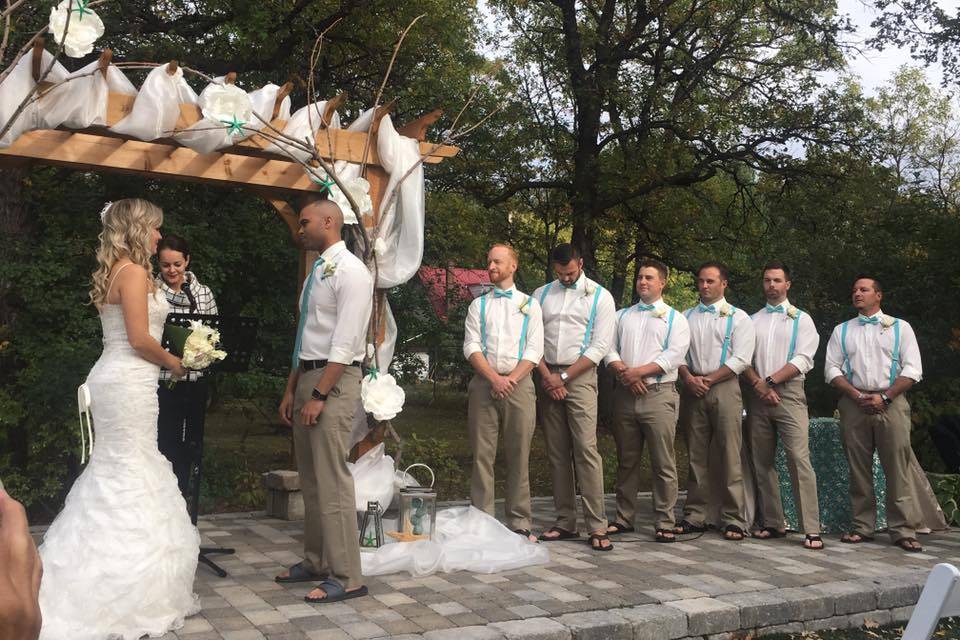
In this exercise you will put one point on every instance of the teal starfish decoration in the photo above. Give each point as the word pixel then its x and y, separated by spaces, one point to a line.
pixel 370 540
pixel 325 183
pixel 234 126
pixel 82 7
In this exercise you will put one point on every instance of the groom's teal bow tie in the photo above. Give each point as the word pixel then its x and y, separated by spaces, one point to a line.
pixel 500 293
pixel 775 309
pixel 702 308
pixel 646 307
pixel 870 320
pixel 572 285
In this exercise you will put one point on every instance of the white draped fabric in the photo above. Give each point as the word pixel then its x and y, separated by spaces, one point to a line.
pixel 16 87
pixel 157 107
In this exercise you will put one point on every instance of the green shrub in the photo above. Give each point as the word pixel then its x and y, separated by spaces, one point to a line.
pixel 946 486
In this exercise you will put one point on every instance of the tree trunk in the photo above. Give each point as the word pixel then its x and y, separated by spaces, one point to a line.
pixel 14 227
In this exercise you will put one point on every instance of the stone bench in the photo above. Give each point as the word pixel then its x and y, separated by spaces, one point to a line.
pixel 284 498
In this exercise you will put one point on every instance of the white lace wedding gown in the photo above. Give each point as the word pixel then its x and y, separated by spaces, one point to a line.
pixel 119 560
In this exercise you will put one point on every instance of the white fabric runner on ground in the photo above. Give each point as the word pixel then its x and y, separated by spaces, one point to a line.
pixel 466 539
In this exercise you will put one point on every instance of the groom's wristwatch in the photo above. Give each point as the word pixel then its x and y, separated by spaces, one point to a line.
pixel 316 395
pixel 564 377
pixel 886 399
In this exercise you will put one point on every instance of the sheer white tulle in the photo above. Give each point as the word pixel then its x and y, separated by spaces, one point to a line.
pixel 119 561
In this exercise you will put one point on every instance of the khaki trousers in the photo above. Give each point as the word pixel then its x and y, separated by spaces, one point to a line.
pixel 570 433
pixel 651 419
pixel 714 423
pixel 889 435
pixel 331 540
pixel 790 419
pixel 516 416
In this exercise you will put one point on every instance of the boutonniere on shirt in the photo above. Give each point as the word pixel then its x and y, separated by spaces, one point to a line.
pixel 886 322
pixel 589 289
pixel 525 306
pixel 726 310
pixel 329 268
pixel 660 313
pixel 792 312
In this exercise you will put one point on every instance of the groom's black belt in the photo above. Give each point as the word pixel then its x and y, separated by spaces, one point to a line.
pixel 310 365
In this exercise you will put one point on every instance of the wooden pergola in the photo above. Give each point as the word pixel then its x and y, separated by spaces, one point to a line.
pixel 246 165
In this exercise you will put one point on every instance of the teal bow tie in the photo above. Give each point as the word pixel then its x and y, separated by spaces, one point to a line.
pixel 500 293
pixel 775 309
pixel 646 307
pixel 702 308
pixel 871 320
pixel 569 286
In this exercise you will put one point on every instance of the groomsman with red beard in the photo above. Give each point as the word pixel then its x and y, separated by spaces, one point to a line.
pixel 503 341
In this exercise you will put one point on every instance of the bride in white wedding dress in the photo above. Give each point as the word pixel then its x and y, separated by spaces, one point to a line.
pixel 119 560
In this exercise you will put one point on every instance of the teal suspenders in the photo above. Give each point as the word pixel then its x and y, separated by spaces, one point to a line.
pixel 483 327
pixel 894 357
pixel 726 336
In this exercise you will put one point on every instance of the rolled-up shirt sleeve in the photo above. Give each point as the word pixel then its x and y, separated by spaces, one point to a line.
pixel 533 349
pixel 909 354
pixel 354 290
pixel 744 340
pixel 807 342
pixel 614 354
pixel 833 359
pixel 471 330
pixel 675 354
pixel 604 328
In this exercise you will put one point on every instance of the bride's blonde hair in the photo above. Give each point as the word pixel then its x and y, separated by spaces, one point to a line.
pixel 127 233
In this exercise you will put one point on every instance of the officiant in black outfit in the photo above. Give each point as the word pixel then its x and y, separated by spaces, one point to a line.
pixel 182 408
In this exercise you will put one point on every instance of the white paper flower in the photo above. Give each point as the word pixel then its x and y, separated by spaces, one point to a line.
pixel 85 27
pixel 226 103
pixel 380 247
pixel 360 190
pixel 381 396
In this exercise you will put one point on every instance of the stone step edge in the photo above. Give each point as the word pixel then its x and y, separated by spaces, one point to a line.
pixel 832 605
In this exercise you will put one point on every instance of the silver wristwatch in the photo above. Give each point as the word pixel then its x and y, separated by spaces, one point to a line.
pixel 564 377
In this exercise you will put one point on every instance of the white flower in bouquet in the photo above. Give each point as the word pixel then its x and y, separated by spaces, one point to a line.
pixel 381 396
pixel 379 247
pixel 227 104
pixel 359 188
pixel 85 27
pixel 200 349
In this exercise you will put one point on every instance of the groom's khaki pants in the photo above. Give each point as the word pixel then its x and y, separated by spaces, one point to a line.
pixel 790 421
pixel 486 416
pixel 570 436
pixel 714 423
pixel 331 540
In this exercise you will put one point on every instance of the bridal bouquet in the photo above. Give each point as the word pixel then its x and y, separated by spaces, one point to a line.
pixel 196 345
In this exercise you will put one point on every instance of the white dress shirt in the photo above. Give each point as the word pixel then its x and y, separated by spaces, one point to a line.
pixel 503 328
pixel 707 333
pixel 566 314
pixel 341 299
pixel 870 351
pixel 775 334
pixel 640 338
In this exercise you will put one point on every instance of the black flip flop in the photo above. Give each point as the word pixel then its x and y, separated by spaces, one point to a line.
pixel 298 573
pixel 562 534
pixel 599 537
pixel 335 592
pixel 813 538
pixel 734 529
pixel 686 526
pixel 660 535
pixel 619 528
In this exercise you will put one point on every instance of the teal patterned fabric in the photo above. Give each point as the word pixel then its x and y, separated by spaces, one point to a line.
pixel 833 492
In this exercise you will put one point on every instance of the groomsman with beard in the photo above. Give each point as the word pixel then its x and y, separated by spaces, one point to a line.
pixel 503 341
pixel 578 319
pixel 650 344
pixel 787 340
pixel 874 360
pixel 721 346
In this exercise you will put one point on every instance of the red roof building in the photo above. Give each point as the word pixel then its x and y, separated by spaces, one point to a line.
pixel 447 287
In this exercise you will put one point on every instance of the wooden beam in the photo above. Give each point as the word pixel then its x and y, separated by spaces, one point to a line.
pixel 417 129
pixel 88 152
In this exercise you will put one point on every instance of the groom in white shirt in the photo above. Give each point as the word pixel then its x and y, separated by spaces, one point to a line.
pixel 578 318
pixel 787 340
pixel 873 360
pixel 503 341
pixel 650 344
pixel 321 398
pixel 721 347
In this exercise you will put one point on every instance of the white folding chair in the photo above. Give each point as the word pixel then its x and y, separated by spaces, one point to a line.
pixel 940 598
